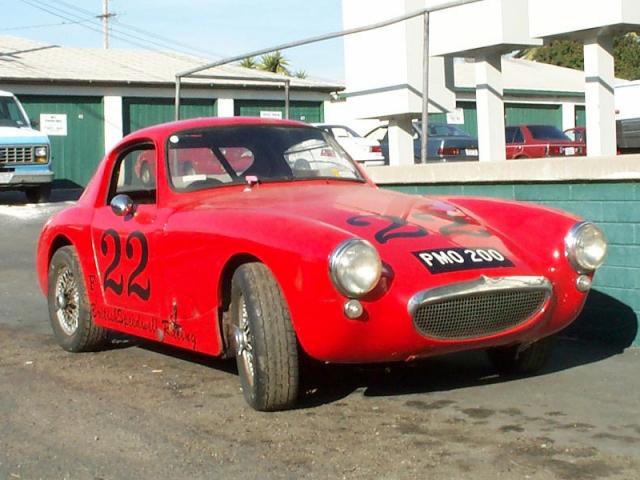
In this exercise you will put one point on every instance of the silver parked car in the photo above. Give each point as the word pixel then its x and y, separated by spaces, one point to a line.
pixel 446 143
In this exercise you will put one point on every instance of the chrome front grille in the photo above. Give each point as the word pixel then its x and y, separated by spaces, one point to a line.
pixel 479 308
pixel 14 155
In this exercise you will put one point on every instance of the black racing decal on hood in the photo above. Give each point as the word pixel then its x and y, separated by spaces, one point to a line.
pixel 460 224
pixel 445 260
pixel 397 227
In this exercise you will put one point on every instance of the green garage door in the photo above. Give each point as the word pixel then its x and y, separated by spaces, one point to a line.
pixel 76 154
pixel 581 116
pixel 144 112
pixel 518 114
pixel 310 112
pixel 470 118
pixel 470 124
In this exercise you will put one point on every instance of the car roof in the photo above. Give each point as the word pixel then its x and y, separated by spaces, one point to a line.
pixel 204 122
pixel 5 94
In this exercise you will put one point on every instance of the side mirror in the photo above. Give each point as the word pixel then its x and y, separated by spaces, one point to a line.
pixel 122 205
pixel 35 124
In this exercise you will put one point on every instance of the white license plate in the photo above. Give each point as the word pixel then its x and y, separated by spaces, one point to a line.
pixel 471 152
pixel 5 177
pixel 569 151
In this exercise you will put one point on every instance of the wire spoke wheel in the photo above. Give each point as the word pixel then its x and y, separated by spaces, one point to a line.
pixel 69 307
pixel 67 303
pixel 244 342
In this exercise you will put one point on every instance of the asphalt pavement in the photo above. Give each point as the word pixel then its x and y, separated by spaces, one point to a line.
pixel 140 410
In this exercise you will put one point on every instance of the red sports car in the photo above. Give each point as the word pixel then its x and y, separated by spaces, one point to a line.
pixel 301 254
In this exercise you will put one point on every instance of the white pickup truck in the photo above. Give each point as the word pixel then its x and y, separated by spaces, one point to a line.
pixel 25 153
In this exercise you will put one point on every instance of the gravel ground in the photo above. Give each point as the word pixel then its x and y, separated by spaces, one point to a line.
pixel 140 410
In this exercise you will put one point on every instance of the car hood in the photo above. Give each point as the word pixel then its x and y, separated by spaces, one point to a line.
pixel 21 136
pixel 396 224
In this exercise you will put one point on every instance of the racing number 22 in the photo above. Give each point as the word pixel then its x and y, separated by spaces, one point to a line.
pixel 111 282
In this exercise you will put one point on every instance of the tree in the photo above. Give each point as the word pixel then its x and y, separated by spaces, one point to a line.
pixel 301 74
pixel 568 53
pixel 249 62
pixel 274 62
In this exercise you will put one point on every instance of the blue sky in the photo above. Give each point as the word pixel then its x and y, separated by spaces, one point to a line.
pixel 219 27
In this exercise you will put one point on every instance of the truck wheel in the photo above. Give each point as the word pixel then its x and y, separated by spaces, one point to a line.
pixel 264 339
pixel 39 194
pixel 514 360
pixel 69 309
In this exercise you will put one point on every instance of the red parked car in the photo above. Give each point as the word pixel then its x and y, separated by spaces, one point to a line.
pixel 301 254
pixel 536 141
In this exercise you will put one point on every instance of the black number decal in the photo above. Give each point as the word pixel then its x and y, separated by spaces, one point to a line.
pixel 460 225
pixel 110 283
pixel 132 286
pixel 117 286
pixel 398 227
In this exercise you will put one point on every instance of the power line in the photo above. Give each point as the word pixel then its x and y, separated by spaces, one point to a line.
pixel 65 8
pixel 43 25
pixel 142 43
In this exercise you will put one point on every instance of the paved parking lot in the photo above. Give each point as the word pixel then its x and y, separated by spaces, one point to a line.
pixel 143 411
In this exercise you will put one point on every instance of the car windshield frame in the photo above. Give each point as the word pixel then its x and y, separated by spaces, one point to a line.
pixel 8 117
pixel 243 178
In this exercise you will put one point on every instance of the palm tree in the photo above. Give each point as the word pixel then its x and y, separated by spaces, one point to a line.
pixel 301 74
pixel 274 62
pixel 249 62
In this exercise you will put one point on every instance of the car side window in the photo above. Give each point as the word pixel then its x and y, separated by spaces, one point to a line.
pixel 134 174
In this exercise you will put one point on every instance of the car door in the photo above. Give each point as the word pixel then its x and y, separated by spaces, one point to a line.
pixel 126 239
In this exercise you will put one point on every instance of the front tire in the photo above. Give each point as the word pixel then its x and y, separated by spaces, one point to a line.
pixel 69 309
pixel 518 360
pixel 264 340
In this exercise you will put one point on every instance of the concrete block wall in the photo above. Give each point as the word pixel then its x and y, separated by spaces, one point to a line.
pixel 612 313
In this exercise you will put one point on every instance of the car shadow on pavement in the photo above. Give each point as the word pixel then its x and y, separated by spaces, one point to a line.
pixel 606 328
pixel 57 196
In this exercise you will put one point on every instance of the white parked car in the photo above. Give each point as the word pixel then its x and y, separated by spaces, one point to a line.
pixel 364 150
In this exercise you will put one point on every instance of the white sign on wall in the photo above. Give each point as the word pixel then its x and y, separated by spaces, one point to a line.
pixel 273 114
pixel 54 124
pixel 456 117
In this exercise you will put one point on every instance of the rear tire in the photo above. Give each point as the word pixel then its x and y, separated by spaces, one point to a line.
pixel 264 340
pixel 517 360
pixel 39 194
pixel 69 308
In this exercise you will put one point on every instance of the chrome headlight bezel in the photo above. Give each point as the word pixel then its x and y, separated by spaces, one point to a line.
pixel 346 286
pixel 41 154
pixel 574 250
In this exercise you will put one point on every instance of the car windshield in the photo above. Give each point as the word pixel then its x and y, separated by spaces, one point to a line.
pixel 210 157
pixel 441 130
pixel 10 113
pixel 547 132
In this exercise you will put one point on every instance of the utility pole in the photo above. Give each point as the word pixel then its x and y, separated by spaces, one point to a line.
pixel 106 15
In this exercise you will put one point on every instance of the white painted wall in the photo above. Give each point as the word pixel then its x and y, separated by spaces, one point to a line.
pixel 383 68
pixel 557 17
pixel 489 24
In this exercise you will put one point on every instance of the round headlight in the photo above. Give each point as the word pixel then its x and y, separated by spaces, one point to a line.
pixel 586 246
pixel 355 267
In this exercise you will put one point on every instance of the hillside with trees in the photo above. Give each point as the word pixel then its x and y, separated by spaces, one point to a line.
pixel 568 53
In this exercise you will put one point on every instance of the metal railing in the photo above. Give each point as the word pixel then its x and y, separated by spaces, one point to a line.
pixel 191 73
